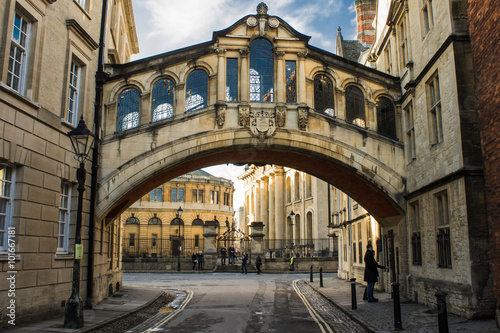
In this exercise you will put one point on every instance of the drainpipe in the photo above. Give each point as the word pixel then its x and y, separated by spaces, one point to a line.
pixel 100 78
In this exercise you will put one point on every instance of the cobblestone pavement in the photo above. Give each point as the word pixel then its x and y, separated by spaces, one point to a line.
pixel 379 317
pixel 337 319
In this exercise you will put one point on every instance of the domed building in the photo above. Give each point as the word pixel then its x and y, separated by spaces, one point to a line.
pixel 169 221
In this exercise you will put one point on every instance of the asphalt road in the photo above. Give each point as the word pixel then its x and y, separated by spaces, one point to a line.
pixel 231 302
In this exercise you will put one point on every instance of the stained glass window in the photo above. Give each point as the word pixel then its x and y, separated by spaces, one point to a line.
pixel 386 118
pixel 162 100
pixel 231 80
pixel 291 82
pixel 355 106
pixel 128 109
pixel 323 95
pixel 261 71
pixel 196 90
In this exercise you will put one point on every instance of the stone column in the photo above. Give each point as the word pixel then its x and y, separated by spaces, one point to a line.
pixel 244 76
pixel 257 235
pixel 264 196
pixel 279 217
pixel 301 78
pixel 180 98
pixel 221 75
pixel 271 203
pixel 258 203
pixel 280 96
pixel 210 245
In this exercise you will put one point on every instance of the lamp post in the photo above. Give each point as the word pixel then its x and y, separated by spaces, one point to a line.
pixel 181 223
pixel 82 140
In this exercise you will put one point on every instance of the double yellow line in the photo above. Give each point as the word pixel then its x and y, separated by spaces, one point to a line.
pixel 317 318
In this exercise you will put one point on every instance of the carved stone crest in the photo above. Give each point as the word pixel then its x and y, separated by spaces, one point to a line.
pixel 263 123
pixel 280 116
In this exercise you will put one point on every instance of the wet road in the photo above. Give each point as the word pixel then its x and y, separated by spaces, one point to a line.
pixel 230 302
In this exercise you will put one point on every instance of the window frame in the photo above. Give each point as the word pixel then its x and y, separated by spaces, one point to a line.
pixel 416 235
pixel 200 85
pixel 64 210
pixel 410 143
pixel 353 115
pixel 427 16
pixel 7 215
pixel 443 232
pixel 291 81
pixel 15 45
pixel 324 101
pixel 164 113
pixel 232 80
pixel 260 80
pixel 134 110
pixel 433 90
pixel 73 106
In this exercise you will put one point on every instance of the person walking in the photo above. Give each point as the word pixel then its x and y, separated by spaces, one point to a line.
pixel 244 260
pixel 200 261
pixel 371 272
pixel 223 255
pixel 258 263
pixel 194 259
pixel 231 255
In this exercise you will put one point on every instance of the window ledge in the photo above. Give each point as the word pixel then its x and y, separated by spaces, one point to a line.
pixel 17 95
pixel 82 9
pixel 64 256
pixel 4 256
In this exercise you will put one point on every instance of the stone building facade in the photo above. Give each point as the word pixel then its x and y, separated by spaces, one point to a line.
pixel 443 245
pixel 483 19
pixel 48 61
pixel 151 226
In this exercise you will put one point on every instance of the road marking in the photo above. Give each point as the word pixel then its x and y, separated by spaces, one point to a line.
pixel 317 318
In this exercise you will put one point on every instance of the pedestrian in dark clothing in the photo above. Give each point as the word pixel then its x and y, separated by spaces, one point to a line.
pixel 223 254
pixel 231 255
pixel 244 260
pixel 371 272
pixel 258 263
pixel 194 259
pixel 200 261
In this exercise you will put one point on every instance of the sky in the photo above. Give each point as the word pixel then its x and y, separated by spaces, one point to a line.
pixel 167 25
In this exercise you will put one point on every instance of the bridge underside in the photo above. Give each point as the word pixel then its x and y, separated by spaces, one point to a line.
pixel 367 180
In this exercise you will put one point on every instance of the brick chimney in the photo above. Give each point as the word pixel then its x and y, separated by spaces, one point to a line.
pixel 365 14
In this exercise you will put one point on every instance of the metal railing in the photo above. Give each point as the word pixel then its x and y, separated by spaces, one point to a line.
pixel 302 248
pixel 164 248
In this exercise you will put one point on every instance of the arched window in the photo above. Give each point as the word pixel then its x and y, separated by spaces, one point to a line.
pixel 162 100
pixel 296 183
pixel 128 109
pixel 308 186
pixel 323 95
pixel 386 118
pixel 288 190
pixel 154 220
pixel 196 90
pixel 309 227
pixel 355 106
pixel 261 71
pixel 132 220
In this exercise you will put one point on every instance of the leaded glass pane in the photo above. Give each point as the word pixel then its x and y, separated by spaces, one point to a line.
pixel 291 82
pixel 355 106
pixel 196 90
pixel 261 71
pixel 128 110
pixel 162 100
pixel 231 80
pixel 323 95
pixel 386 118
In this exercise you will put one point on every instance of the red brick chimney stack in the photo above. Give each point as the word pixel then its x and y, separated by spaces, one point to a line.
pixel 365 14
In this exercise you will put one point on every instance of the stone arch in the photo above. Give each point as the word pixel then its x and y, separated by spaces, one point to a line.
pixel 366 179
pixel 328 71
pixel 120 86
pixel 360 84
pixel 194 65
pixel 151 80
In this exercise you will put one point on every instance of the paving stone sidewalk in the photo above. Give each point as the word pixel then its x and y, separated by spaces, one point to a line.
pixel 379 317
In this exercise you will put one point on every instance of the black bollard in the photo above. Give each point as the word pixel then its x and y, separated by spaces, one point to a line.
pixel 353 294
pixel 311 274
pixel 442 313
pixel 397 307
pixel 321 276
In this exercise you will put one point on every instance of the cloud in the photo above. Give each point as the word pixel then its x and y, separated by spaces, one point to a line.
pixel 166 25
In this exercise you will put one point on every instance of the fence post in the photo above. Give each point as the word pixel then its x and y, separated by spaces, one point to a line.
pixel 321 276
pixel 353 294
pixel 397 307
pixel 442 312
pixel 311 279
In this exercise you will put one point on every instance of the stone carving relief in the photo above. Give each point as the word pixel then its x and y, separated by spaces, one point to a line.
pixel 262 123
pixel 244 115
pixel 280 116
pixel 262 19
pixel 303 117
pixel 220 114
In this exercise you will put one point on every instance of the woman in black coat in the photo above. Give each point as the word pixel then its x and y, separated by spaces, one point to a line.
pixel 371 272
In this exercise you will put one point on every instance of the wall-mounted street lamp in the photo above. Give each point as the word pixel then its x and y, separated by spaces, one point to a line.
pixel 82 140
pixel 181 225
